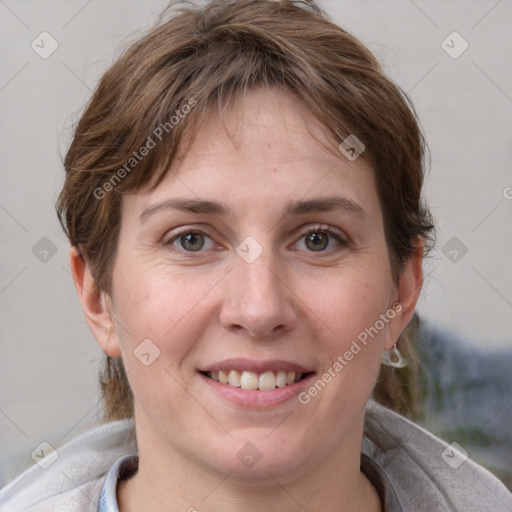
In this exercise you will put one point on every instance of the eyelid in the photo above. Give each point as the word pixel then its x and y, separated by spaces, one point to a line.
pixel 323 228
pixel 170 236
pixel 173 235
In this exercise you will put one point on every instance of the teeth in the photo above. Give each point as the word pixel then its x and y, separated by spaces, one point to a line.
pixel 252 380
pixel 234 379
pixel 249 380
pixel 281 379
pixel 267 381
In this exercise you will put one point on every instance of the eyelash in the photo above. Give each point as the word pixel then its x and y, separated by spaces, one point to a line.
pixel 315 229
pixel 327 230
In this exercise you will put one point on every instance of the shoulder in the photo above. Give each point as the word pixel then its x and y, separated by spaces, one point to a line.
pixel 72 477
pixel 426 472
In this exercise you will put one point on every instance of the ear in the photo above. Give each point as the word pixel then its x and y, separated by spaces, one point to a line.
pixel 96 305
pixel 407 293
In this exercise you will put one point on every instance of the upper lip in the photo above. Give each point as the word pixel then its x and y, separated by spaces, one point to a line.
pixel 250 365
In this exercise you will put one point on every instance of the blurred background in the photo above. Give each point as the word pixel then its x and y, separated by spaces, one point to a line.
pixel 454 60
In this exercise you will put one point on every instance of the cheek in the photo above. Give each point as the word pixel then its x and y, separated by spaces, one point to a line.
pixel 160 318
pixel 352 307
pixel 349 302
pixel 164 308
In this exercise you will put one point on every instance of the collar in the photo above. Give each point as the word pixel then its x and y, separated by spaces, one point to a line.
pixel 126 466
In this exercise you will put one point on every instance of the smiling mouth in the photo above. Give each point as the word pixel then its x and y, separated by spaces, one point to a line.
pixel 265 381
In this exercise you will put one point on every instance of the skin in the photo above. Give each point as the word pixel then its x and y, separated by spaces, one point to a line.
pixel 293 302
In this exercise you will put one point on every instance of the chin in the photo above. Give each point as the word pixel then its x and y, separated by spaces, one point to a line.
pixel 257 458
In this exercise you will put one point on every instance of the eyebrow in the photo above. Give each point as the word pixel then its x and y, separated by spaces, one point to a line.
pixel 300 207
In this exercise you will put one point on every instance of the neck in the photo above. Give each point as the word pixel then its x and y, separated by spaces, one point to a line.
pixel 170 481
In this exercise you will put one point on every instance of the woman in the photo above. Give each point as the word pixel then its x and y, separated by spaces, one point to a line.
pixel 243 203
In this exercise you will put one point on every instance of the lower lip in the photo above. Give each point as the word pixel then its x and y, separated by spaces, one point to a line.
pixel 256 398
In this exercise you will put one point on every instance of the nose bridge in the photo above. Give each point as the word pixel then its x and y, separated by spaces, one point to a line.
pixel 260 279
pixel 258 300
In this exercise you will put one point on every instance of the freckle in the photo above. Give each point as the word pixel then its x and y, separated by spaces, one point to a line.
pixel 274 170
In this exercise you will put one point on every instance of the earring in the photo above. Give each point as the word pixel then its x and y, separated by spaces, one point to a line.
pixel 393 358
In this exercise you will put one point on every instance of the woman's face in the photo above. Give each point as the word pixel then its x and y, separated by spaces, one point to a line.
pixel 216 270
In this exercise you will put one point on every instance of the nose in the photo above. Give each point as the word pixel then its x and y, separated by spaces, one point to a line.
pixel 257 299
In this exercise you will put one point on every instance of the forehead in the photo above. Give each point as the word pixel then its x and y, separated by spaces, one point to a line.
pixel 268 148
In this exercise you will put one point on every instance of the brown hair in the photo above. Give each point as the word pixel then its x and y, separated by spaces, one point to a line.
pixel 201 57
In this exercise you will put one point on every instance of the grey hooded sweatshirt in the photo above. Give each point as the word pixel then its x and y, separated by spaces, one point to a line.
pixel 411 469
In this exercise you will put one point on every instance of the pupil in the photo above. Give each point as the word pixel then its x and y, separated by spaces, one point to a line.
pixel 191 241
pixel 319 241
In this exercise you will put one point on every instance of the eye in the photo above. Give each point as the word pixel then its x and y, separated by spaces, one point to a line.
pixel 316 239
pixel 190 241
pixel 320 238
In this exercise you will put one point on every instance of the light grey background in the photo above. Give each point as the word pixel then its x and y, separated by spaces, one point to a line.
pixel 49 358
